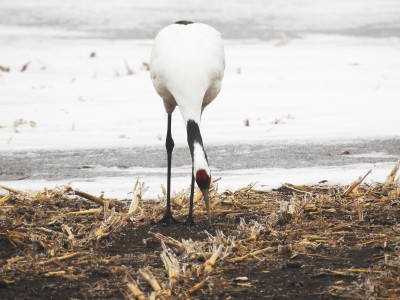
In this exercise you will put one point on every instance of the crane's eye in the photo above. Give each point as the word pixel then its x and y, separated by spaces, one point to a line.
pixel 202 179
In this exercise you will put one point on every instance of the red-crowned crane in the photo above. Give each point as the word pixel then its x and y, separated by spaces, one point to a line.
pixel 187 66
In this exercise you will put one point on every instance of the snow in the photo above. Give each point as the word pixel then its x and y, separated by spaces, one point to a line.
pixel 121 187
pixel 319 88
pixel 334 77
pixel 235 18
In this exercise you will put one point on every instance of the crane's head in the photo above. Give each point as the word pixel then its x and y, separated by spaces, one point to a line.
pixel 203 180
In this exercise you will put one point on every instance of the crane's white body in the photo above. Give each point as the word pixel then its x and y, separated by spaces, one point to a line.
pixel 187 66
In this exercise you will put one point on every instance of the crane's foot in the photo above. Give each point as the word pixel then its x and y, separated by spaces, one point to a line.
pixel 189 222
pixel 168 220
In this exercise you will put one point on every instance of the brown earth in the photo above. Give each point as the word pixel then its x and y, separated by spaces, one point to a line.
pixel 302 242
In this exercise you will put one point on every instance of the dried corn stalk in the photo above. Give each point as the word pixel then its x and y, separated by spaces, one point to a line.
pixel 167 239
pixel 390 179
pixel 11 190
pixel 198 285
pixel 149 277
pixel 5 199
pixel 134 288
pixel 207 267
pixel 189 246
pixel 171 264
pixel 355 184
pixel 138 191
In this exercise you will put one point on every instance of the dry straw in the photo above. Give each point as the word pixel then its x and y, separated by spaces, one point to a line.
pixel 57 233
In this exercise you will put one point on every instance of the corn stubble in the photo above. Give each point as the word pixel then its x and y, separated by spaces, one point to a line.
pixel 60 232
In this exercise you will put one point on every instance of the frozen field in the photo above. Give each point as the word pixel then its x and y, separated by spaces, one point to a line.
pixel 86 84
pixel 318 87
pixel 236 19
pixel 114 170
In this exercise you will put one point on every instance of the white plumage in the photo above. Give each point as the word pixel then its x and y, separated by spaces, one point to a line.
pixel 187 66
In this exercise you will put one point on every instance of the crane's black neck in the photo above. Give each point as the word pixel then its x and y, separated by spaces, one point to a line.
pixel 203 178
pixel 184 22
pixel 194 136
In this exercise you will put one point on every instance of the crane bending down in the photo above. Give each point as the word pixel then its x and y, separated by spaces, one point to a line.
pixel 187 66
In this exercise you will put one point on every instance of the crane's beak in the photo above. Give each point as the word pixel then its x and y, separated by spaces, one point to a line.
pixel 205 197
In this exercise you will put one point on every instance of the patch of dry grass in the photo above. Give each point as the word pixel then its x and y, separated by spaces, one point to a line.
pixel 58 234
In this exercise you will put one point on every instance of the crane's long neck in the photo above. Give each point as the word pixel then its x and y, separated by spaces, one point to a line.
pixel 201 171
pixel 195 141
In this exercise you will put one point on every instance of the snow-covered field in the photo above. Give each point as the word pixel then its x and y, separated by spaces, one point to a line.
pixel 318 87
pixel 82 91
pixel 121 187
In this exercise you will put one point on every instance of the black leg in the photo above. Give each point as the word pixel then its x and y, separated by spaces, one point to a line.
pixel 169 144
pixel 189 221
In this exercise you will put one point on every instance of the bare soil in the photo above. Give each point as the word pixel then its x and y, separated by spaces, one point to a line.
pixel 302 242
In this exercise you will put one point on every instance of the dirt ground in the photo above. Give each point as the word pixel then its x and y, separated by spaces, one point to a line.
pixel 296 242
